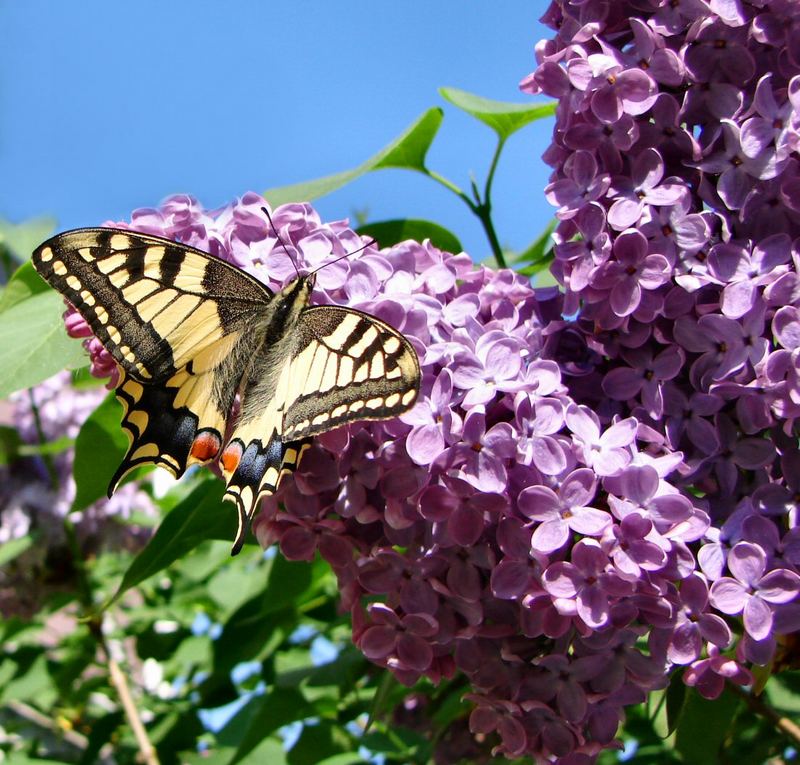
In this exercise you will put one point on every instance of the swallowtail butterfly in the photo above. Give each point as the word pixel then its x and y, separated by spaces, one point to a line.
pixel 189 331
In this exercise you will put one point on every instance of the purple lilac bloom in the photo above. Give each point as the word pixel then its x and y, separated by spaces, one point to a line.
pixel 699 159
pixel 36 495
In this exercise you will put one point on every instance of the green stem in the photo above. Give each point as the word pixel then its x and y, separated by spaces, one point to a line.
pixel 49 465
pixel 480 209
pixel 433 175
pixel 786 726
pixel 484 211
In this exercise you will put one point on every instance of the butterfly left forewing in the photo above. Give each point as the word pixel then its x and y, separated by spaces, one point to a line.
pixel 178 322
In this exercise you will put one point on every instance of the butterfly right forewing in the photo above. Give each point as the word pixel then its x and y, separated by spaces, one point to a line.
pixel 348 366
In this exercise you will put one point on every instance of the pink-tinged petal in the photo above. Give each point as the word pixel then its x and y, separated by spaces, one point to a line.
pixel 757 618
pixel 550 536
pixel 611 461
pixel 562 580
pixel 510 579
pixel 747 563
pixel 779 586
pixel 377 642
pixel 589 521
pixel 685 645
pixel 414 653
pixel 625 297
pixel 623 383
pixel 621 433
pixel 728 595
pixel 539 503
pixel 593 606
pixel 425 443
pixel 548 455
pixel 715 630
pixel 299 543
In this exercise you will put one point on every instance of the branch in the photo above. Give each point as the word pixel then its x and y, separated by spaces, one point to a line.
pixel 120 682
pixel 760 707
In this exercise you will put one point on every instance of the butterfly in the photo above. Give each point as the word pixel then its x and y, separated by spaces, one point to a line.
pixel 190 331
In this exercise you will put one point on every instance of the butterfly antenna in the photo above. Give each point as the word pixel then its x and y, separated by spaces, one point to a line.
pixel 342 257
pixel 278 237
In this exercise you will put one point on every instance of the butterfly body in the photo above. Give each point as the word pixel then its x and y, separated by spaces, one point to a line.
pixel 189 332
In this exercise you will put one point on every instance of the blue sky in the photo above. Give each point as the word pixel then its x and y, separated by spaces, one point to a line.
pixel 107 107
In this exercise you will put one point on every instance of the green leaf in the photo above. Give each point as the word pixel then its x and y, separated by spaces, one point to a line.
pixel 782 692
pixel 676 697
pixel 34 344
pixel 541 249
pixel 199 517
pixel 504 117
pixel 406 151
pixel 22 238
pixel 14 548
pixel 704 725
pixel 25 282
pixel 33 683
pixel 389 232
pixel 275 709
pixel 99 448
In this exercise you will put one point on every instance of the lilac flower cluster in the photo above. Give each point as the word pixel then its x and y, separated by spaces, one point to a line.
pixel 514 526
pixel 36 494
pixel 677 187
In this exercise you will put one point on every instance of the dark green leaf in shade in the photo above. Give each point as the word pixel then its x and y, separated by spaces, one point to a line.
pixel 249 632
pixel 200 516
pixel 34 344
pixel 99 448
pixel 406 151
pixel 676 697
pixel 704 725
pixel 504 117
pixel 271 711
pixel 100 734
pixel 24 283
pixel 317 743
pixel 387 233
pixel 10 443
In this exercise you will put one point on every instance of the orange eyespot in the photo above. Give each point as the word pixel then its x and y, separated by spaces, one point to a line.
pixel 231 457
pixel 206 446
